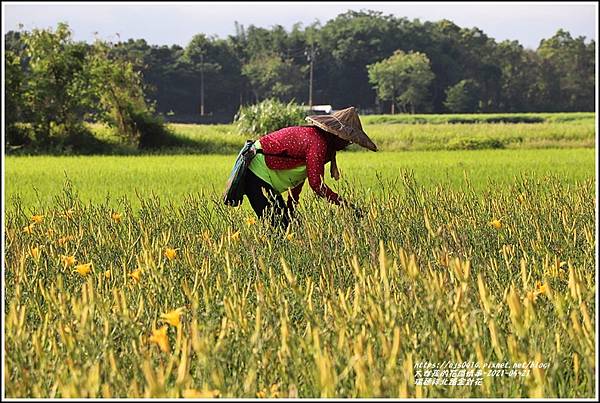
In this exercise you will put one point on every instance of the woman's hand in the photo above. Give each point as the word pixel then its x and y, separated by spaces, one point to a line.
pixel 358 213
pixel 335 173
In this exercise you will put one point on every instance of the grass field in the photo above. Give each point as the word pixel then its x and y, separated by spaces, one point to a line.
pixel 168 301
pixel 390 133
pixel 581 117
pixel 133 280
pixel 440 132
pixel 38 179
pixel 396 136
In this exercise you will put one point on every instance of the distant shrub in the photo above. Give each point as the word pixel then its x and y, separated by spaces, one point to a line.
pixel 18 135
pixel 497 119
pixel 569 117
pixel 478 118
pixel 464 120
pixel 56 138
pixel 152 131
pixel 474 143
pixel 268 116
pixel 81 140
pixel 462 97
pixel 515 119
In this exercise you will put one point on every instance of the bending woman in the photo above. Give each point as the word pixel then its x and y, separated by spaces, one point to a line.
pixel 287 157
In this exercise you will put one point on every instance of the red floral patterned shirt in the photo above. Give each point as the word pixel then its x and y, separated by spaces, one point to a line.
pixel 301 145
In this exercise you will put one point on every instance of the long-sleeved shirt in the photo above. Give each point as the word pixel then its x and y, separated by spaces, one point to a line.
pixel 301 145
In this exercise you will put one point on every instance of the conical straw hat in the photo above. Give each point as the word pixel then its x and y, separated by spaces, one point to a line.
pixel 344 124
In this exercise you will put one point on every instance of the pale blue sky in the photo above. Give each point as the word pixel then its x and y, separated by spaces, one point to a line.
pixel 176 23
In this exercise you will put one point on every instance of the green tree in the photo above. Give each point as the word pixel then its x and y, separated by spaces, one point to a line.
pixel 197 54
pixel 165 79
pixel 385 77
pixel 349 43
pixel 462 97
pixel 14 103
pixel 546 94
pixel 56 85
pixel 403 78
pixel 574 63
pixel 519 76
pixel 14 78
pixel 119 90
pixel 272 76
pixel 14 81
pixel 274 51
pixel 442 43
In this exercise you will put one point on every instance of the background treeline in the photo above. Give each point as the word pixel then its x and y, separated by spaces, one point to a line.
pixel 467 70
pixel 56 88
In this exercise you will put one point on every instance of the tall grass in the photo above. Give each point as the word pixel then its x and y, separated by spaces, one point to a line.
pixel 268 116
pixel 579 117
pixel 401 137
pixel 390 133
pixel 191 301
pixel 397 136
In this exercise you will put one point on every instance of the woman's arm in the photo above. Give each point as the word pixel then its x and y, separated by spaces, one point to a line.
pixel 316 157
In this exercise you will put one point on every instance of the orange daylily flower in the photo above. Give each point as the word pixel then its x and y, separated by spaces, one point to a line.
pixel 83 269
pixel 159 336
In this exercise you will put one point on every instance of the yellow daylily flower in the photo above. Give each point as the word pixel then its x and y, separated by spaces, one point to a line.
pixel 540 288
pixel 62 241
pixel 274 390
pixel 159 336
pixel 173 318
pixel 68 261
pixel 69 214
pixel 35 252
pixel 116 217
pixel 250 220
pixel 496 223
pixel 136 274
pixel 200 394
pixel 170 253
pixel 83 269
pixel 37 218
pixel 28 228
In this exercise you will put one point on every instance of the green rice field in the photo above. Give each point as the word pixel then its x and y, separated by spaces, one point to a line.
pixel 472 255
pixel 36 180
